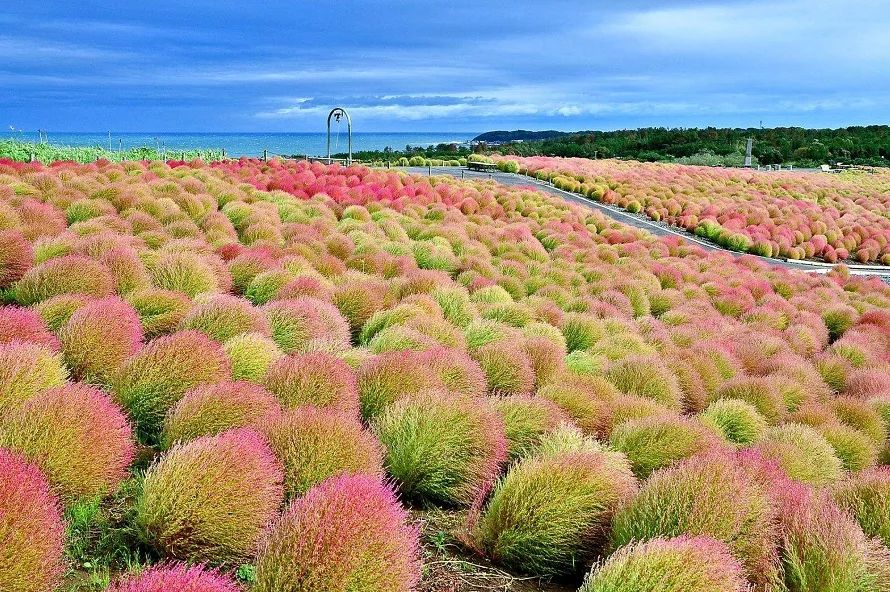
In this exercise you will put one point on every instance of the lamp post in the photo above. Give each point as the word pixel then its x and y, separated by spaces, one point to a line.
pixel 337 113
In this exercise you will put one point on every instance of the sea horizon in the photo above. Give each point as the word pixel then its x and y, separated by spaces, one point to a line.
pixel 248 143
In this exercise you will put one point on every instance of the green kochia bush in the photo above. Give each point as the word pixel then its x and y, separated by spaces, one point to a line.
pixel 713 495
pixel 210 409
pixel 251 355
pixel 153 380
pixel 651 443
pixel 316 443
pixel 208 500
pixel 802 453
pixel 442 449
pixel 682 564
pixel 866 496
pixel 550 514
pixel 738 422
pixel 527 418
pixel 27 370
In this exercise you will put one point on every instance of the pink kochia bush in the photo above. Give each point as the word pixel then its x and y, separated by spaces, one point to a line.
pixel 25 324
pixel 823 548
pixel 208 500
pixel 348 532
pixel 99 337
pixel 154 379
pixel 16 256
pixel 178 577
pixel 210 409
pixel 31 528
pixel 79 438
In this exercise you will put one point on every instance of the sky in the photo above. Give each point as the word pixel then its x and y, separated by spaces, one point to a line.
pixel 453 66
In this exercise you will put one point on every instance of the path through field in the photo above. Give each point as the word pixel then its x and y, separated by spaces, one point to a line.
pixel 637 220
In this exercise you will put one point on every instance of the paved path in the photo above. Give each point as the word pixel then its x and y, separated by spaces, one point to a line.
pixel 637 221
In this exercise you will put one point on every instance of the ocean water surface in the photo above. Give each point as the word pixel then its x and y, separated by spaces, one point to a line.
pixel 251 144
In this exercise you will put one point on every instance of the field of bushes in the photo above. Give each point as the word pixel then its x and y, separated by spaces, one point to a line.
pixel 843 217
pixel 290 377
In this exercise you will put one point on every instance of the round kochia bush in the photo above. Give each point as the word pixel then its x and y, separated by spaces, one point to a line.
pixel 25 324
pixel 154 379
pixel 866 496
pixel 651 443
pixel 802 453
pixel 682 564
pixel 251 355
pixel 384 379
pixel 646 377
pixel 712 495
pixel 824 549
pixel 31 529
pixel 316 378
pixel 442 448
pixel 738 421
pixel 347 533
pixel 223 316
pixel 160 311
pixel 316 443
pixel 527 418
pixel 72 274
pixel 78 437
pixel 550 514
pixel 208 500
pixel 178 577
pixel 99 337
pixel 26 370
pixel 210 409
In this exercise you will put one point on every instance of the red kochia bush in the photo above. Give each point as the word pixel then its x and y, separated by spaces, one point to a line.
pixel 25 324
pixel 347 530
pixel 16 256
pixel 316 378
pixel 31 528
pixel 76 435
pixel 176 577
pixel 99 337
pixel 208 500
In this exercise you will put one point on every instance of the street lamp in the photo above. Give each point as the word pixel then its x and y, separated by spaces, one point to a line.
pixel 337 113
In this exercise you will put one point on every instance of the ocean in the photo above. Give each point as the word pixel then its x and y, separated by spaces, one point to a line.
pixel 251 144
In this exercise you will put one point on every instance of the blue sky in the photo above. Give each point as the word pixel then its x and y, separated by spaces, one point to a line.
pixel 441 66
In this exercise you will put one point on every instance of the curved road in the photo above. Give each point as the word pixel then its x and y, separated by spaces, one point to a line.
pixel 636 221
